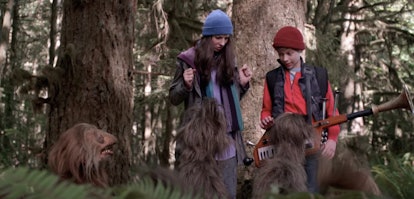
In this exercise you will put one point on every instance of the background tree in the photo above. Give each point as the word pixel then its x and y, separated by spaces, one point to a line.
pixel 39 53
pixel 6 119
pixel 93 79
pixel 256 23
pixel 356 42
pixel 20 127
pixel 5 31
pixel 165 29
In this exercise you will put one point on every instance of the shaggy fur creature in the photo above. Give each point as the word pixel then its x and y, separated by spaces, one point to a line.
pixel 203 135
pixel 346 171
pixel 285 170
pixel 79 153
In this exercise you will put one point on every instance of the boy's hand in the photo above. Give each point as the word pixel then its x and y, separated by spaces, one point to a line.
pixel 266 122
pixel 328 149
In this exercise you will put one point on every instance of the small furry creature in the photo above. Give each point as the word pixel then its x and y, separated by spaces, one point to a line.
pixel 346 171
pixel 203 135
pixel 285 170
pixel 79 154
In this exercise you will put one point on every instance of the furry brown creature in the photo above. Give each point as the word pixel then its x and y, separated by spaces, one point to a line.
pixel 285 170
pixel 79 154
pixel 203 135
pixel 346 171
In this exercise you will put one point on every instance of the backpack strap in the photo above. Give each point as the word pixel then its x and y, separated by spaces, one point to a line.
pixel 322 78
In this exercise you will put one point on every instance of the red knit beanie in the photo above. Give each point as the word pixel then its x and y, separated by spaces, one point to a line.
pixel 289 37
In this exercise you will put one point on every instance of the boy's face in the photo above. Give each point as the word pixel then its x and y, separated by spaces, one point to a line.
pixel 219 41
pixel 289 57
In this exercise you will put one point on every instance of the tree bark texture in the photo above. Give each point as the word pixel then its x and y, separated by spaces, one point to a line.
pixel 352 87
pixel 93 81
pixel 256 23
pixel 53 31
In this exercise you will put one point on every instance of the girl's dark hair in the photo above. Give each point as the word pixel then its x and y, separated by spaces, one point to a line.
pixel 206 59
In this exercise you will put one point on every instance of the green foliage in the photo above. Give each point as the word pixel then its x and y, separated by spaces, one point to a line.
pixel 19 125
pixel 338 194
pixel 20 146
pixel 23 182
pixel 383 60
pixel 147 189
pixel 396 177
pixel 328 55
pixel 163 30
pixel 367 49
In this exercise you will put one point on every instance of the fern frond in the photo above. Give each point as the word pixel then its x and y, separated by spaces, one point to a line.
pixel 395 178
pixel 23 182
pixel 147 189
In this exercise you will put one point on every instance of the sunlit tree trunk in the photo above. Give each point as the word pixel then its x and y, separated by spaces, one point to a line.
pixel 353 90
pixel 93 79
pixel 8 103
pixel 5 34
pixel 5 70
pixel 148 141
pixel 53 31
pixel 256 23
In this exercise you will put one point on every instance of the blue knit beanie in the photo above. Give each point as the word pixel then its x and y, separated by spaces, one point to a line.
pixel 217 23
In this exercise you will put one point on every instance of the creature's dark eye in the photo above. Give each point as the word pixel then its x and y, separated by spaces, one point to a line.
pixel 100 139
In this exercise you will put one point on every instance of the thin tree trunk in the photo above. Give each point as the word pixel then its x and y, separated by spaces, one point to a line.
pixel 5 34
pixel 353 89
pixel 12 64
pixel 148 141
pixel 8 118
pixel 53 32
pixel 165 158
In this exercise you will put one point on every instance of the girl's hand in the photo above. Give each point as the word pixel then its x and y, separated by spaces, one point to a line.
pixel 245 75
pixel 188 77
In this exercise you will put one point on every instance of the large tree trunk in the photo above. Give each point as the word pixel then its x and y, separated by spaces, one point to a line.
pixel 256 23
pixel 95 82
pixel 254 47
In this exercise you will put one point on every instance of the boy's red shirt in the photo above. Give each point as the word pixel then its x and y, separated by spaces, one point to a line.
pixel 296 103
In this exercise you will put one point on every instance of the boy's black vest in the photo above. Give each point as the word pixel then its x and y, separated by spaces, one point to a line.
pixel 275 80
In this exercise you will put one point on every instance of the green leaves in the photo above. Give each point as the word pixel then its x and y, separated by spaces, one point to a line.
pixel 23 182
pixel 147 189
pixel 396 177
